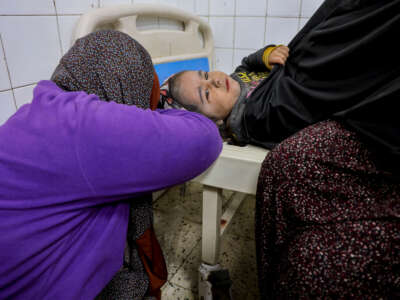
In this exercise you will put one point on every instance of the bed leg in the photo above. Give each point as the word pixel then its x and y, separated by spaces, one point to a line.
pixel 212 210
pixel 214 282
pixel 211 227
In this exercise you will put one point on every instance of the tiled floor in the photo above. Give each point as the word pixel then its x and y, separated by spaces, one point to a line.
pixel 177 219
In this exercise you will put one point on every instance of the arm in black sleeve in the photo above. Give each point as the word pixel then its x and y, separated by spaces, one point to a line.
pixel 254 62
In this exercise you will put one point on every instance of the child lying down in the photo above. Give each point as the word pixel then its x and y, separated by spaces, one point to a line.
pixel 220 96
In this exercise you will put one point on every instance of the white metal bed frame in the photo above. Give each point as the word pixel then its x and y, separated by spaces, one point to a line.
pixel 236 168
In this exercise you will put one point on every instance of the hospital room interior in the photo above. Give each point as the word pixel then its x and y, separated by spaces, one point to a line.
pixel 204 226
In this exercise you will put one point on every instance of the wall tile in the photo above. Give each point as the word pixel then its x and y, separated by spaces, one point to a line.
pixel 187 5
pixel 104 3
pixel 223 60
pixel 280 30
pixel 308 7
pixel 32 47
pixel 27 7
pixel 256 8
pixel 205 19
pixel 24 95
pixel 4 78
pixel 75 6
pixel 222 7
pixel 238 26
pixel 302 22
pixel 146 1
pixel 7 107
pixel 238 55
pixel 249 32
pixel 170 2
pixel 67 25
pixel 201 7
pixel 284 8
pixel 222 28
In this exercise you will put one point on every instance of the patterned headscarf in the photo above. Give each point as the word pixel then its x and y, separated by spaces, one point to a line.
pixel 111 65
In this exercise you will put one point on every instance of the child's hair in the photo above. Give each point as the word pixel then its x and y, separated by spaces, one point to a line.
pixel 175 90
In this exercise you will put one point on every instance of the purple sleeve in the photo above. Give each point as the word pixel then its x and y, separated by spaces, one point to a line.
pixel 124 150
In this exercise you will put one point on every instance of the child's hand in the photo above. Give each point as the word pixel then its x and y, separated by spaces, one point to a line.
pixel 279 55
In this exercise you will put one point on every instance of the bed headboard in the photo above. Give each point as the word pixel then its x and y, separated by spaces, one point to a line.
pixel 172 50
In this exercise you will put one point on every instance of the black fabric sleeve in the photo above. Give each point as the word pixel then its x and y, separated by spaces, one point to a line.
pixel 254 62
pixel 312 86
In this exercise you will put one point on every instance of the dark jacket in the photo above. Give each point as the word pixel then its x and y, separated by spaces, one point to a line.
pixel 345 65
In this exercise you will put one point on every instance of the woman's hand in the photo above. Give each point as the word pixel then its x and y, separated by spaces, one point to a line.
pixel 279 55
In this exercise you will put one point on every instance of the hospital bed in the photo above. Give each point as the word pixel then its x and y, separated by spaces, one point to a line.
pixel 174 49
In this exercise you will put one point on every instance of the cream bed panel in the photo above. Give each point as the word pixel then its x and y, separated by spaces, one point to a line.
pixel 164 45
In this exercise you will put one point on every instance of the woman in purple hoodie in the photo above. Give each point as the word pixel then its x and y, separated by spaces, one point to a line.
pixel 72 166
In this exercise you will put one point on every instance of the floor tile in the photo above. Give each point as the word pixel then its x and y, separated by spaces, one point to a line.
pixel 177 238
pixel 173 292
pixel 187 275
pixel 242 223
pixel 177 218
pixel 186 200
pixel 237 255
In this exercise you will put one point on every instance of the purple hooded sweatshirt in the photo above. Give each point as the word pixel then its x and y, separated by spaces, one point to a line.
pixel 67 162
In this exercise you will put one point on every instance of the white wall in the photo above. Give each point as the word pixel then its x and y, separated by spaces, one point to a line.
pixel 34 34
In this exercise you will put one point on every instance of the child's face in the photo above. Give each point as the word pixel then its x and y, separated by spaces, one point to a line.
pixel 214 93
